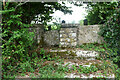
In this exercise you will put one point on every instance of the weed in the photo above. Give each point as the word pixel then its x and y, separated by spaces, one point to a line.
pixel 74 67
pixel 87 69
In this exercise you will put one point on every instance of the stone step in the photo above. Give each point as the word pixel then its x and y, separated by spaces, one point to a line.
pixel 77 53
pixel 81 53
pixel 74 75
pixel 85 63
pixel 84 58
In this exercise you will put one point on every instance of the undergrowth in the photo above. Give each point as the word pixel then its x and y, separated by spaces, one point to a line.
pixel 105 53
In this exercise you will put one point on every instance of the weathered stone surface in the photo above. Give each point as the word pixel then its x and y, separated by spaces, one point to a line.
pixel 61 31
pixel 73 43
pixel 51 37
pixel 71 36
pixel 74 75
pixel 81 53
pixel 68 36
pixel 64 39
pixel 68 30
pixel 88 34
pixel 64 35
pixel 69 25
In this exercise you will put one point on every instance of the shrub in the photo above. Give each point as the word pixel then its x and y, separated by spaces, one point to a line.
pixel 111 34
pixel 16 41
pixel 111 31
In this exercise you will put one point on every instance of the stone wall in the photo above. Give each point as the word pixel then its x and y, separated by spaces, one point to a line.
pixel 51 38
pixel 88 34
pixel 38 30
pixel 68 37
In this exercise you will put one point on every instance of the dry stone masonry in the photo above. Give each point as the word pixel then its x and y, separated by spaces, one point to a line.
pixel 51 37
pixel 72 35
pixel 88 34
pixel 68 36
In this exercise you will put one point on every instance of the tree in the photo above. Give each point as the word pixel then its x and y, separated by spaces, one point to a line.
pixel 110 31
pixel 17 41
pixel 30 9
pixel 99 12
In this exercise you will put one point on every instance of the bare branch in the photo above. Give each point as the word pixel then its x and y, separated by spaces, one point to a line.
pixel 21 4
pixel 3 39
pixel 3 3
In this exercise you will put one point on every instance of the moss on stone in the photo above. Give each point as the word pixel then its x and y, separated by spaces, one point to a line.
pixel 41 43
pixel 87 63
pixel 72 53
pixel 96 65
pixel 64 54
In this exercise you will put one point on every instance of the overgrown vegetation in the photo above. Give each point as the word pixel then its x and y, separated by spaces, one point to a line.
pixel 18 43
pixel 106 53
pixel 108 15
pixel 111 32
pixel 103 10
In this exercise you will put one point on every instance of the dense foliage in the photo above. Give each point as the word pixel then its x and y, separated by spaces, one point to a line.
pixel 111 32
pixel 17 41
pixel 108 15
pixel 30 10
pixel 99 12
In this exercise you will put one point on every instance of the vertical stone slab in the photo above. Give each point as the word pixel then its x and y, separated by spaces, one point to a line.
pixel 88 34
pixel 51 38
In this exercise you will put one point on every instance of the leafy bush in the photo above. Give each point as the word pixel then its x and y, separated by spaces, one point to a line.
pixel 110 31
pixel 16 41
pixel 108 14
pixel 111 34
pixel 103 10
pixel 53 27
pixel 92 68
